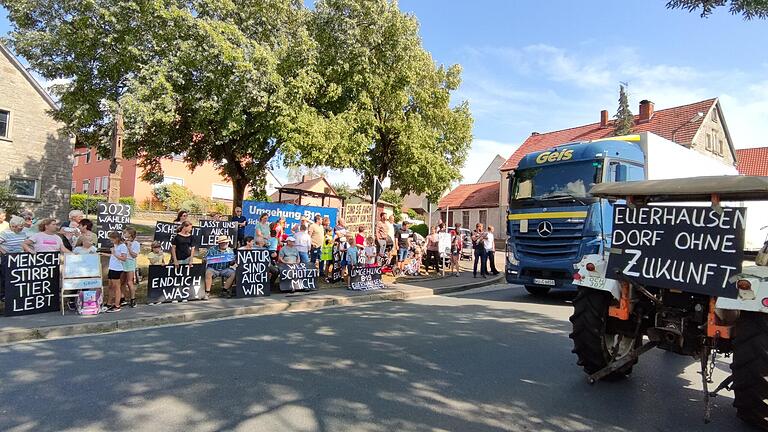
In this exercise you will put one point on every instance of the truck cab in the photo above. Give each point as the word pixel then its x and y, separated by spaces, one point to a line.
pixel 553 221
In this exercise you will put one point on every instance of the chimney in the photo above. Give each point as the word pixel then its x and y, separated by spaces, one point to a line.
pixel 646 111
pixel 603 118
pixel 303 178
pixel 534 133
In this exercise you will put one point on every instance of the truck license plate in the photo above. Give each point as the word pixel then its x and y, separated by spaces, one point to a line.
pixel 596 282
pixel 549 282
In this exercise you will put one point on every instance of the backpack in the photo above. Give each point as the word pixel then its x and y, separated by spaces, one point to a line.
pixel 89 302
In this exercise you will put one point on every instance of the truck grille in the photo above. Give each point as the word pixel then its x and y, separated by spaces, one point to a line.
pixel 563 243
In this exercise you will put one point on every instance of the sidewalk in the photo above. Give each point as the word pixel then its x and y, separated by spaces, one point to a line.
pixel 53 325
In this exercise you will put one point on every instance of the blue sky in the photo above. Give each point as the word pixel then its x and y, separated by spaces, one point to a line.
pixel 547 65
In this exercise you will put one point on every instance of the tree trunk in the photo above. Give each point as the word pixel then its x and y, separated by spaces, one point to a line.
pixel 238 191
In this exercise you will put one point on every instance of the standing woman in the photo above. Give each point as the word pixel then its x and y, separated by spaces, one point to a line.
pixel 433 250
pixel 45 240
pixel 129 266
pixel 182 246
pixel 181 217
pixel 86 230
pixel 118 255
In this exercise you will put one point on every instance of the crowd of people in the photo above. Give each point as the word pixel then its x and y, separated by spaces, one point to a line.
pixel 333 250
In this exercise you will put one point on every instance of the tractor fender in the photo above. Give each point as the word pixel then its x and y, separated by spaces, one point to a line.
pixel 595 279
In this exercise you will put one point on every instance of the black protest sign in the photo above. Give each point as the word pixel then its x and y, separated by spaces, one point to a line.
pixel 172 283
pixel 32 283
pixel 336 270
pixel 365 278
pixel 210 229
pixel 252 274
pixel 692 249
pixel 166 231
pixel 298 277
pixel 111 217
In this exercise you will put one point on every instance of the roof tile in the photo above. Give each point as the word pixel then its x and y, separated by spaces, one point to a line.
pixel 752 161
pixel 673 124
pixel 473 195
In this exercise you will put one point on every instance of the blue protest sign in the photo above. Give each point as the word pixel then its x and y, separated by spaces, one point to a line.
pixel 292 213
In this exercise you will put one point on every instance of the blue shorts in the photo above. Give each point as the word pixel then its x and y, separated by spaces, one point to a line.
pixel 402 253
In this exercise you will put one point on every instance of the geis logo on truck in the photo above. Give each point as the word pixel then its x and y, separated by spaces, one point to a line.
pixel 554 156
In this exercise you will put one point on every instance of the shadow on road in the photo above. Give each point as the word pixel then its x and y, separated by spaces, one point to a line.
pixel 442 363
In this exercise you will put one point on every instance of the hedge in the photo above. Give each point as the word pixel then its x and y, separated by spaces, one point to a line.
pixel 421 229
pixel 90 203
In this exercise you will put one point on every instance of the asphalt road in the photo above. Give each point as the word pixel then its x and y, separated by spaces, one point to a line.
pixel 484 360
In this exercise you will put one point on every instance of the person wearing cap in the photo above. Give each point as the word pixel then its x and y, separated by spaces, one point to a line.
pixel 220 262
pixel 289 254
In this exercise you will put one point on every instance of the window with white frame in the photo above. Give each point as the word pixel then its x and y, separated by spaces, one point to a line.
pixel 714 115
pixel 105 184
pixel 5 123
pixel 76 158
pixel 219 191
pixel 465 218
pixel 483 217
pixel 97 185
pixel 74 186
pixel 88 156
pixel 708 142
pixel 173 180
pixel 86 186
pixel 24 187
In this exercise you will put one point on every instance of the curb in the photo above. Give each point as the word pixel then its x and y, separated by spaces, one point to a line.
pixel 302 305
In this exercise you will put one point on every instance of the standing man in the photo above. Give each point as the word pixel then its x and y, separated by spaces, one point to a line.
pixel 303 244
pixel 490 250
pixel 381 235
pixel 403 241
pixel 241 223
pixel 317 235
pixel 478 238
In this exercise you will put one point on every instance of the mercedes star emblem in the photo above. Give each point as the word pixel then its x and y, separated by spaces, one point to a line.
pixel 545 229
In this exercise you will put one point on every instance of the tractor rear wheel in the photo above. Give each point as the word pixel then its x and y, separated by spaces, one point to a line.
pixel 594 343
pixel 750 368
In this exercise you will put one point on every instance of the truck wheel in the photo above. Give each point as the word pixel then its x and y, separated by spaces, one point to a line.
pixel 593 341
pixel 750 368
pixel 537 290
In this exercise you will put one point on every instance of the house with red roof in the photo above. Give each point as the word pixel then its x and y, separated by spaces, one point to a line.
pixel 700 126
pixel 470 204
pixel 752 161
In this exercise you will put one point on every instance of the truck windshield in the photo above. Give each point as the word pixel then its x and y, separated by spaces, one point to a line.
pixel 560 180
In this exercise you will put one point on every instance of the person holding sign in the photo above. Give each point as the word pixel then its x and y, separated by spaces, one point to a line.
pixel 118 255
pixel 220 262
pixel 46 240
pixel 183 245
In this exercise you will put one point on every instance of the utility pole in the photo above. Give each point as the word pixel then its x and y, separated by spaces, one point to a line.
pixel 116 155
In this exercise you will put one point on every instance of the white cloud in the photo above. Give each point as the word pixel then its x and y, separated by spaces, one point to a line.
pixel 514 91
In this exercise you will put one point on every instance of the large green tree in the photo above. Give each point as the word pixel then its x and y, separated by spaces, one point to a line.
pixel 393 100
pixel 749 9
pixel 213 80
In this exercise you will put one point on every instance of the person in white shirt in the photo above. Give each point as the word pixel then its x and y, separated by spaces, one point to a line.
pixel 85 247
pixel 117 257
pixel 303 244
pixel 490 250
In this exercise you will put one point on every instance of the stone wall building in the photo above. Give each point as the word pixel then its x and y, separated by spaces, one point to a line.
pixel 37 156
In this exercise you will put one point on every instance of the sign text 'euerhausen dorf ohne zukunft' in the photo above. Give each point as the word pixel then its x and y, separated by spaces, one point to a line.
pixel 693 249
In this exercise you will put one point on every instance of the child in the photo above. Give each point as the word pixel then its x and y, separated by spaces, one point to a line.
pixel 156 257
pixel 370 252
pixel 117 257
pixel 85 246
pixel 326 253
pixel 457 243
pixel 129 265
pixel 352 257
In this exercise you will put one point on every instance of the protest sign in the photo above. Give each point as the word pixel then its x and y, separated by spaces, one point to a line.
pixel 444 244
pixel 298 277
pixel 692 249
pixel 365 278
pixel 336 270
pixel 210 229
pixel 357 215
pixel 32 283
pixel 171 283
pixel 292 213
pixel 252 277
pixel 166 231
pixel 110 217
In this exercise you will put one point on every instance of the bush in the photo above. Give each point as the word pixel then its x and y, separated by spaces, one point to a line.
pixel 131 201
pixel 421 229
pixel 222 208
pixel 89 204
pixel 8 202
pixel 412 214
